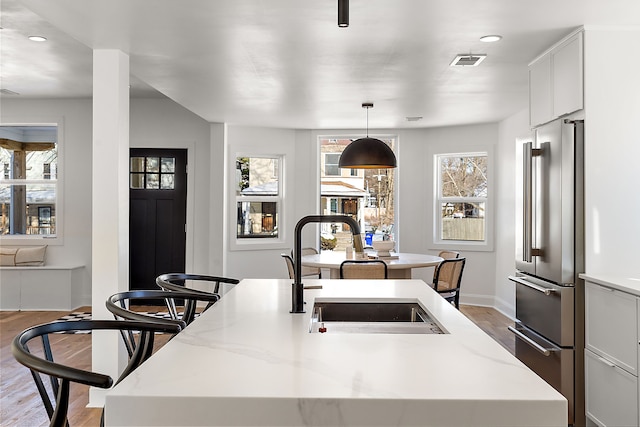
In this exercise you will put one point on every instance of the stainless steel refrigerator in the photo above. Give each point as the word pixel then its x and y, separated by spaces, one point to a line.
pixel 549 325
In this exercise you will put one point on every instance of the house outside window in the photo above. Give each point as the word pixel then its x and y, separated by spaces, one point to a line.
pixel 258 197
pixel 462 198
pixel 366 195
pixel 29 186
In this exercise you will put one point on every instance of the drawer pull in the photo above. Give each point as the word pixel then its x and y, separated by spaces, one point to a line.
pixel 607 362
pixel 532 343
pixel 546 291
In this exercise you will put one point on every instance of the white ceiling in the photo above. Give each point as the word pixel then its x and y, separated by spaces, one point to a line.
pixel 285 63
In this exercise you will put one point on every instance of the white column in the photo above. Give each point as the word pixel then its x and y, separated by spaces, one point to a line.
pixel 110 202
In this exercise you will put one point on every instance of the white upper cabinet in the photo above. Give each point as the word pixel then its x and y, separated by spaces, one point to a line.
pixel 540 102
pixel 555 82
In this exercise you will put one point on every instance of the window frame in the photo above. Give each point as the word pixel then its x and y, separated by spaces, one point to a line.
pixel 39 239
pixel 241 243
pixel 437 242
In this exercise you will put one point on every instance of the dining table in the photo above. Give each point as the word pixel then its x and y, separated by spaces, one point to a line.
pixel 399 264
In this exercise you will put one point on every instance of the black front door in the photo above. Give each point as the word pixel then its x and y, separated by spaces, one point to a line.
pixel 157 218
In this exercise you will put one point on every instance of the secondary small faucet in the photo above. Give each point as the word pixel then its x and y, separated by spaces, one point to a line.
pixel 297 295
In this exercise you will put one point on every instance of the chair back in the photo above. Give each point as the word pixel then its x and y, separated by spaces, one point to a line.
pixel 27 348
pixel 290 267
pixel 310 271
pixel 449 254
pixel 363 269
pixel 120 305
pixel 447 278
pixel 178 282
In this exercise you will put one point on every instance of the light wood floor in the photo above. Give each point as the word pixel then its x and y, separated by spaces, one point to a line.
pixel 20 404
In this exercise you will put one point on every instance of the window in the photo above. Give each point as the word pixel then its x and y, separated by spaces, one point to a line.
pixel 331 164
pixel 258 197
pixel 368 195
pixel 461 202
pixel 152 173
pixel 29 184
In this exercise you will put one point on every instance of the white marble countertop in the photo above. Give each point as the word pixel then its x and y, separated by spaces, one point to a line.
pixel 248 361
pixel 625 284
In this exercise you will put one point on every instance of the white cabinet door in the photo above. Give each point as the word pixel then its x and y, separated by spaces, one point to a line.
pixel 566 63
pixel 611 393
pixel 540 102
pixel 611 326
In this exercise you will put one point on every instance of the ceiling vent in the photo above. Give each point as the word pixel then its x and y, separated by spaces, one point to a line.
pixel 468 60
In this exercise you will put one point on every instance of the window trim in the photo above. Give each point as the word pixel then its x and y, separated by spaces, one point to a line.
pixel 48 239
pixel 435 241
pixel 278 242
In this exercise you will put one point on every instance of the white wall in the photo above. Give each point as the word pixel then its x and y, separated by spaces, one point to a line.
pixel 507 167
pixel 154 123
pixel 612 150
pixel 263 262
pixel 165 124
pixel 76 117
pixel 415 199
pixel 212 147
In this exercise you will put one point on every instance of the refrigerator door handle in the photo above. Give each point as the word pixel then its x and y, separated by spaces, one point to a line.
pixel 528 251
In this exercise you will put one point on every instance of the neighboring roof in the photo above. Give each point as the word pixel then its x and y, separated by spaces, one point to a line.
pixel 267 189
pixel 342 189
pixel 327 188
pixel 34 196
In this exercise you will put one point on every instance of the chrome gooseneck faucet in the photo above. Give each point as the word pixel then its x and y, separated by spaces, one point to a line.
pixel 297 295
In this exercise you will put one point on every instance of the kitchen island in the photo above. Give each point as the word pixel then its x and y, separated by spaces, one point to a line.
pixel 248 362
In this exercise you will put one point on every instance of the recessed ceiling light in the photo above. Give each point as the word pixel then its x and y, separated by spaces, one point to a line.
pixel 490 39
pixel 37 39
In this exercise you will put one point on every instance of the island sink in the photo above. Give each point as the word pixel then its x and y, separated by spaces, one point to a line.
pixel 376 317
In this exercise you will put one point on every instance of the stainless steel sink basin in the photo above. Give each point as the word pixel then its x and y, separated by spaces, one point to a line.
pixel 388 317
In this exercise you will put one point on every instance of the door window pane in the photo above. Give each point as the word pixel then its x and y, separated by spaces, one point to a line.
pixel 168 165
pixel 137 180
pixel 153 164
pixel 137 164
pixel 152 173
pixel 153 181
pixel 167 182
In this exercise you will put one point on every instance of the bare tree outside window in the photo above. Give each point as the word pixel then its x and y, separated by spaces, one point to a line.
pixel 462 196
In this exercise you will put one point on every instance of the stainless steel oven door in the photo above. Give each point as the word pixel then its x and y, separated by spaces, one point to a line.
pixel 546 308
pixel 552 363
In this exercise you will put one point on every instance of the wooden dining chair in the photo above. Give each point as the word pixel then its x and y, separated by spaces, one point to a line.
pixel 310 271
pixel 449 254
pixel 447 279
pixel 363 269
pixel 290 267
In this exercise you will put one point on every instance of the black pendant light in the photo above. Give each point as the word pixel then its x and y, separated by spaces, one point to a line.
pixel 367 153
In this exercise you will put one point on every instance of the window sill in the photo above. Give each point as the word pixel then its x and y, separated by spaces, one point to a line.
pixel 34 240
pixel 462 245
